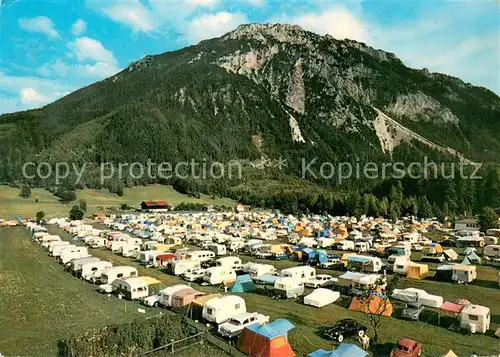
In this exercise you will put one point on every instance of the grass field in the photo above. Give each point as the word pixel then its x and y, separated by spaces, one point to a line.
pixel 40 303
pixel 306 337
pixel 13 206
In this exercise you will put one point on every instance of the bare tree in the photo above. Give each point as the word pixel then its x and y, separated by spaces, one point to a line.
pixel 375 302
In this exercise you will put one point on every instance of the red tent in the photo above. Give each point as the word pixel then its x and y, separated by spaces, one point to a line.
pixel 266 340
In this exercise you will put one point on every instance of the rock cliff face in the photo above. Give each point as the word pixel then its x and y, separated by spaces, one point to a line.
pixel 299 93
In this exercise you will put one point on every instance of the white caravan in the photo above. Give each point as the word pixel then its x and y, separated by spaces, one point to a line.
pixel 218 249
pixel 98 242
pixel 131 288
pixel 109 275
pixel 229 262
pixel 130 250
pixel 492 250
pixel 55 244
pixel 57 250
pixel 68 254
pixel 413 237
pixel 46 240
pixel 183 266
pixel 301 273
pixel 221 309
pixel 345 245
pixel 147 256
pixel 219 275
pixel 401 265
pixel 257 269
pixel 200 255
pixel 76 265
pixel 167 293
pixel 92 271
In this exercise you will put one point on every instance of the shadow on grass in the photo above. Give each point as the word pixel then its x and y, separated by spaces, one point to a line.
pixel 381 349
pixel 486 284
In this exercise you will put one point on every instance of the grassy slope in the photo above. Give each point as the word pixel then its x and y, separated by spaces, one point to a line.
pixel 306 337
pixel 40 303
pixel 12 206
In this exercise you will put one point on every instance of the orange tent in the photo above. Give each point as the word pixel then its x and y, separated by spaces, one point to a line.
pixel 378 305
pixel 266 340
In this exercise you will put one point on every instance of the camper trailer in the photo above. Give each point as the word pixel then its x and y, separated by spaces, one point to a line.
pixel 167 293
pixel 257 269
pixel 288 288
pixel 361 247
pixel 492 250
pixel 475 318
pixel 116 245
pixel 400 265
pixel 56 250
pixel 68 254
pixel 495 232
pixel 364 264
pixel 93 270
pixel 202 256
pixel 147 256
pixel 219 275
pixel 324 242
pixel 464 274
pixel 301 273
pixel 218 249
pixel 182 266
pixel 130 250
pixel 46 240
pixel 55 244
pixel 251 244
pixel 221 309
pixel 235 244
pixel 132 288
pixel 345 245
pixel 122 271
pixel 489 240
pixel 76 265
pixel 470 241
pixel 229 262
pixel 98 242
pixel 412 238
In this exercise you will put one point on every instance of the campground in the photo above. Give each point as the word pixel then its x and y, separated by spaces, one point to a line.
pixel 14 206
pixel 307 337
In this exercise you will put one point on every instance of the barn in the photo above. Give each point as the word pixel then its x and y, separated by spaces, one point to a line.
pixel 155 205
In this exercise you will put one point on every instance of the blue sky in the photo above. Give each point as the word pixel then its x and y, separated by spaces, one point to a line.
pixel 50 48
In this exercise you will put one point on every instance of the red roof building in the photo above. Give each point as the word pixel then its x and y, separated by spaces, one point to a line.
pixel 151 205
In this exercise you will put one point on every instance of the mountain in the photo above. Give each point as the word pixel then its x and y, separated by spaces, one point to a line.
pixel 256 94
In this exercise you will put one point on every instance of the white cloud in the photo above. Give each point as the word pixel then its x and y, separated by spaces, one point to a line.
pixel 40 24
pixel 29 95
pixel 27 92
pixel 79 27
pixel 132 13
pixel 86 48
pixel 208 26
pixel 337 22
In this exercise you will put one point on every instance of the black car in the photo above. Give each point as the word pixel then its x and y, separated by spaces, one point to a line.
pixel 345 328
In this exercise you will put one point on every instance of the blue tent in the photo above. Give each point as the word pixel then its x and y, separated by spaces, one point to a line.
pixel 344 350
pixel 278 327
pixel 243 283
pixel 267 279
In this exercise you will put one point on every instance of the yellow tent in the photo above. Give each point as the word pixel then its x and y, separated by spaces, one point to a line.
pixel 376 306
pixel 149 280
pixel 417 271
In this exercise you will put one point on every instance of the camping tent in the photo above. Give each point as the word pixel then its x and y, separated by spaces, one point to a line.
pixel 321 297
pixel 416 271
pixel 378 304
pixel 269 340
pixel 343 350
pixel 451 254
pixel 243 283
pixel 474 258
pixel 450 354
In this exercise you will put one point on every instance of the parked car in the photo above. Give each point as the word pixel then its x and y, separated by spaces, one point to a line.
pixel 153 300
pixel 412 311
pixel 279 256
pixel 407 348
pixel 331 263
pixel 194 275
pixel 263 255
pixel 345 328
pixel 448 243
pixel 320 281
pixel 417 247
pixel 237 323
